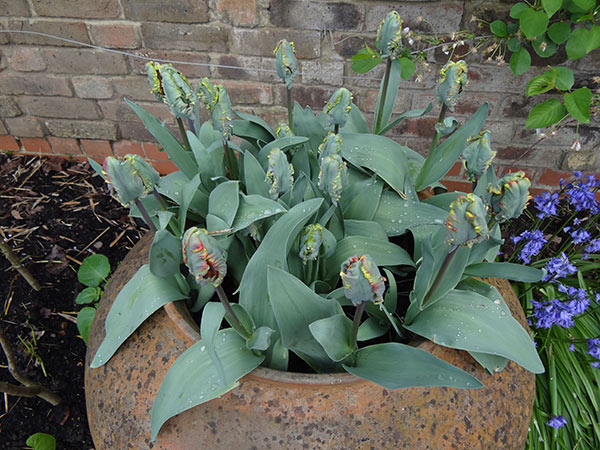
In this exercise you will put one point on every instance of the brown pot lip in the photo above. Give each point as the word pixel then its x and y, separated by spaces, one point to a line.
pixel 182 320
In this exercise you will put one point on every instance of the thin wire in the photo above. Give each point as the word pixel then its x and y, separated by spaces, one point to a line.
pixel 161 60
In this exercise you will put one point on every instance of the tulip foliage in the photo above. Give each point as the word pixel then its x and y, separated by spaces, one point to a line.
pixel 296 240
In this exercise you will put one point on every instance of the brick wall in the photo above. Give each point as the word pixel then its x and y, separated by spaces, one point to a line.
pixel 59 98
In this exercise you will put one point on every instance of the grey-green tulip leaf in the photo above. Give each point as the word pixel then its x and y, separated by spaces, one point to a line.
pixel 252 208
pixel 334 334
pixel 469 321
pixel 224 201
pixel 143 294
pixel 395 366
pixel 510 271
pixel 165 254
pixel 193 378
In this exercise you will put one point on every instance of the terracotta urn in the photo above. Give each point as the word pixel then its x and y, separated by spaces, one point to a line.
pixel 280 410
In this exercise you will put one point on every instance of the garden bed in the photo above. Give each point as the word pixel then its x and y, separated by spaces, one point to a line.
pixel 53 213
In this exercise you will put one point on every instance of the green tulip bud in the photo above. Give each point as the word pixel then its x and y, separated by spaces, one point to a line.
pixel 207 93
pixel 179 95
pixel 453 80
pixel 338 107
pixel 280 173
pixel 222 116
pixel 310 242
pixel 478 156
pixel 130 179
pixel 285 62
pixel 510 196
pixel 204 257
pixel 155 80
pixel 467 221
pixel 283 130
pixel 389 35
pixel 333 177
pixel 362 280
pixel 332 145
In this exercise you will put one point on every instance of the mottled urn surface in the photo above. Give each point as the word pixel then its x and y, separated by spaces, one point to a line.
pixel 276 410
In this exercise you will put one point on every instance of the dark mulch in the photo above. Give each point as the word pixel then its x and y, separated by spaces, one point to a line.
pixel 53 214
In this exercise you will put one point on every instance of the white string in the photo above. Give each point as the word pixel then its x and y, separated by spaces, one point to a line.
pixel 171 61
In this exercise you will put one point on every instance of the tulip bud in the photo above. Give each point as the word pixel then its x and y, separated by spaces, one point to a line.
pixel 130 179
pixel 333 177
pixel 338 107
pixel 285 62
pixel 222 116
pixel 207 93
pixel 310 242
pixel 467 221
pixel 155 80
pixel 280 173
pixel 179 95
pixel 478 156
pixel 332 145
pixel 362 280
pixel 453 80
pixel 510 196
pixel 204 257
pixel 389 35
pixel 283 130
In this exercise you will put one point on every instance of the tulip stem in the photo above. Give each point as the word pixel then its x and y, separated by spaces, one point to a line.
pixel 336 128
pixel 440 275
pixel 386 81
pixel 290 110
pixel 235 322
pixel 183 134
pixel 437 135
pixel 231 161
pixel 158 197
pixel 145 215
pixel 356 323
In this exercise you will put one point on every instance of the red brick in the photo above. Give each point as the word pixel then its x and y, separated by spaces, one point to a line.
pixel 367 100
pixel 35 145
pixel 74 30
pixel 14 8
pixel 422 127
pixel 462 186
pixel 529 172
pixel 97 149
pixel 60 107
pixel 114 35
pixel 9 143
pixel 164 167
pixel 262 42
pixel 85 9
pixel 179 36
pixel 64 146
pixel 24 126
pixel 536 191
pixel 238 12
pixel 455 170
pixel 189 70
pixel 84 61
pixel 119 111
pixel 33 84
pixel 25 59
pixel 92 87
pixel 248 93
pixel 192 11
pixel 124 147
pixel 316 15
pixel 552 177
pixel 152 152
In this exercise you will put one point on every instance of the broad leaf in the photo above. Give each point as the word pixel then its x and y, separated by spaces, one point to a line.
pixel 395 366
pixel 252 208
pixel 306 124
pixel 360 198
pixel 578 104
pixel 365 60
pixel 224 200
pixel 273 251
pixel 334 334
pixel 532 22
pixel 212 316
pixel 408 68
pixel 260 339
pixel 193 379
pixel 252 131
pixel 469 321
pixel 544 46
pixel 510 271
pixel 499 28
pixel 520 61
pixel 188 192
pixel 564 78
pixel 143 294
pixel 181 157
pixel 559 32
pixel 356 122
pixel 545 114
pixel 372 328
pixel 254 176
pixel 364 228
pixel 165 254
pixel 93 270
pixel 41 441
pixel 84 322
pixel 295 307
pixel 441 159
pixel 88 295
pixel 283 144
pixel 551 6
pixel 517 9
pixel 379 154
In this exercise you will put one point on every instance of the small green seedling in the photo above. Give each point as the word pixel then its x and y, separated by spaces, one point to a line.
pixel 92 273
pixel 41 441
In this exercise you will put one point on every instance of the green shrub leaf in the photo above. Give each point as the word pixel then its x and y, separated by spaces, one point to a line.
pixel 551 6
pixel 520 61
pixel 564 78
pixel 41 441
pixel 532 22
pixel 93 270
pixel 540 84
pixel 559 32
pixel 578 104
pixel 545 114
pixel 84 322
pixel 513 44
pixel 88 295
pixel 499 28
pixel 365 60
pixel 517 9
pixel 408 68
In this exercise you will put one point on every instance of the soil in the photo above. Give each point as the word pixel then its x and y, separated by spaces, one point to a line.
pixel 53 213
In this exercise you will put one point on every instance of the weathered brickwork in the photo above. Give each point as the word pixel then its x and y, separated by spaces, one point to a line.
pixel 58 98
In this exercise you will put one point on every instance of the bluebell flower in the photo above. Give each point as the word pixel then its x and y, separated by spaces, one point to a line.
pixel 557 422
pixel 553 312
pixel 581 194
pixel 592 247
pixel 546 204
pixel 594 347
pixel 559 267
pixel 572 347
pixel 595 364
pixel 578 294
pixel 535 242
